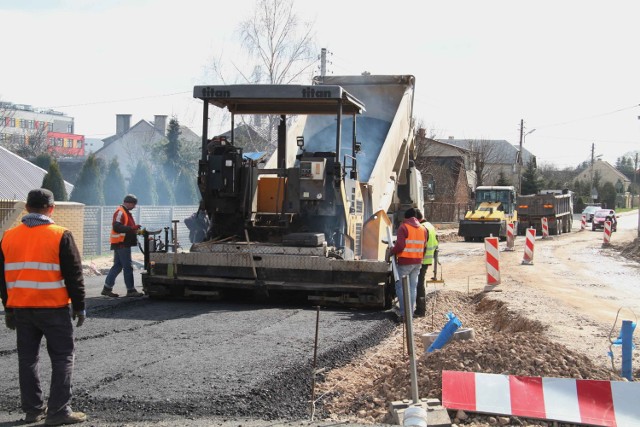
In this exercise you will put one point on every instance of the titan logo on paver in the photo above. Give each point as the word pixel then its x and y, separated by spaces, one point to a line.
pixel 211 92
pixel 311 92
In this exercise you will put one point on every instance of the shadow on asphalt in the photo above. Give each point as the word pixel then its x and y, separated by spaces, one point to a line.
pixel 145 308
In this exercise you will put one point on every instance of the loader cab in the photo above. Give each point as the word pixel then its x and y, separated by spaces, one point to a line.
pixel 505 195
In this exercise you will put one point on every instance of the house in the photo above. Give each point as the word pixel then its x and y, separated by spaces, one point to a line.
pixel 130 144
pixel 607 173
pixel 444 164
pixel 487 158
pixel 18 176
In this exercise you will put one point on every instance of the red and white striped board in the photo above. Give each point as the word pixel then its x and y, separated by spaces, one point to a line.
pixel 492 255
pixel 545 227
pixel 528 246
pixel 601 403
pixel 607 233
pixel 583 222
pixel 510 236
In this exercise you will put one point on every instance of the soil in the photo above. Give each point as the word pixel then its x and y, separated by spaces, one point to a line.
pixel 535 326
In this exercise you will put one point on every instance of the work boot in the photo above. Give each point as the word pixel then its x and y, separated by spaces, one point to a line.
pixel 62 419
pixel 34 417
pixel 108 293
pixel 134 293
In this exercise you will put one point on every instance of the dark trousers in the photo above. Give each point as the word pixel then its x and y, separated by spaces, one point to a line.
pixel 421 293
pixel 121 262
pixel 55 325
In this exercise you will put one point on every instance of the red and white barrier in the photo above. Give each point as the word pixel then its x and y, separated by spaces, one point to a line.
pixel 607 233
pixel 545 227
pixel 602 403
pixel 583 222
pixel 528 246
pixel 510 236
pixel 493 262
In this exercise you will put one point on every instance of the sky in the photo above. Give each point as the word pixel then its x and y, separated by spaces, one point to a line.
pixel 569 69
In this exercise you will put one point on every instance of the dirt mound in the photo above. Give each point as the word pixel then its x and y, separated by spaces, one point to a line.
pixel 631 250
pixel 504 343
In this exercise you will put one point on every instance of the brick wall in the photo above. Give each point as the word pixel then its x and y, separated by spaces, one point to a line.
pixel 69 215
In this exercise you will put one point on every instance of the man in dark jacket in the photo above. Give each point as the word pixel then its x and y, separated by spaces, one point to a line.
pixel 40 273
pixel 124 235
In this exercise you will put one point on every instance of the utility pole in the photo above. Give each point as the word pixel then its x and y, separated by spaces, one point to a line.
pixel 520 158
pixel 593 147
pixel 323 62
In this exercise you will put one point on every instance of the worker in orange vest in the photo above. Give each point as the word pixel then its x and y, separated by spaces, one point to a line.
pixel 124 235
pixel 41 272
pixel 411 241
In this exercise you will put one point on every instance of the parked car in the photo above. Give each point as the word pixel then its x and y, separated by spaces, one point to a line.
pixel 589 211
pixel 602 215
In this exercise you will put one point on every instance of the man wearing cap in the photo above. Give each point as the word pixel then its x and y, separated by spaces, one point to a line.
pixel 40 273
pixel 123 237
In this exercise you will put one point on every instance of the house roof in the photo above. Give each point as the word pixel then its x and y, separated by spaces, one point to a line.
pixel 504 151
pixel 18 176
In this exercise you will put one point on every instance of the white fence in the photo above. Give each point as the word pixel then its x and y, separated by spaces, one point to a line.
pixel 97 224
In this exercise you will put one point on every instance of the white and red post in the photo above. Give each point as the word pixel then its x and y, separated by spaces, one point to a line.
pixel 510 236
pixel 528 246
pixel 583 222
pixel 607 233
pixel 545 227
pixel 492 261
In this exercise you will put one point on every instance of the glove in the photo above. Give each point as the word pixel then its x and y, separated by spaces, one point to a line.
pixel 10 320
pixel 81 316
pixel 136 227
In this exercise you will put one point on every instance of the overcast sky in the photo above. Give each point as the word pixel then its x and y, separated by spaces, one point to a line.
pixel 569 68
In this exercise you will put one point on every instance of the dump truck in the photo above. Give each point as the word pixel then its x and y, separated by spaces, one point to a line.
pixel 495 206
pixel 555 205
pixel 311 220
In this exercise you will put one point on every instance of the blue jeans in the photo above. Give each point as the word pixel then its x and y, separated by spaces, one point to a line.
pixel 411 271
pixel 55 325
pixel 121 262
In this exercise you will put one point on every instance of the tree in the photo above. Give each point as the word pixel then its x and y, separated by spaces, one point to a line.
pixel 43 160
pixel 278 49
pixel 531 180
pixel 484 158
pixel 143 185
pixel 166 196
pixel 186 190
pixel 607 195
pixel 113 186
pixel 172 151
pixel 88 186
pixel 53 181
pixel 502 179
pixel 283 45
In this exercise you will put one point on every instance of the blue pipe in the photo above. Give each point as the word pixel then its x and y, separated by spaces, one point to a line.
pixel 446 333
pixel 626 336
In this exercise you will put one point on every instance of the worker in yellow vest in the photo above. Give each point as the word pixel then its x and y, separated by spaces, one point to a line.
pixel 429 255
pixel 40 274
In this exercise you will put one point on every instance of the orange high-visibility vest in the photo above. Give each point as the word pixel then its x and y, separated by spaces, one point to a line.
pixel 32 267
pixel 116 237
pixel 414 244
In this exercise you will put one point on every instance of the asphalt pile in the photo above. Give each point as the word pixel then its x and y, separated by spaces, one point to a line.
pixel 504 343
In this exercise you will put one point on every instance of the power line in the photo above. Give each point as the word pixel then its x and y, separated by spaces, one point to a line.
pixel 589 117
pixel 119 100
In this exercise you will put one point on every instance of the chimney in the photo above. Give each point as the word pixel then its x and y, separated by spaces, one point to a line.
pixel 123 123
pixel 451 137
pixel 422 132
pixel 160 123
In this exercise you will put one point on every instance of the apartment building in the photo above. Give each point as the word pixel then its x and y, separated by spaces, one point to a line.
pixel 22 124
